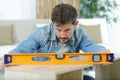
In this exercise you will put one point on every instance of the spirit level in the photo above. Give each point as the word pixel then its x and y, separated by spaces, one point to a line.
pixel 59 58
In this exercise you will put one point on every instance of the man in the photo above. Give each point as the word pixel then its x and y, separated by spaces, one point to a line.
pixel 62 35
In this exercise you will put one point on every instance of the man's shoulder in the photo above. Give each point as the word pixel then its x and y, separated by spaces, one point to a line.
pixel 79 30
pixel 45 29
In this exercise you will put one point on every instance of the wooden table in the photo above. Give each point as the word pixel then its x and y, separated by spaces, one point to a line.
pixel 45 72
pixel 109 72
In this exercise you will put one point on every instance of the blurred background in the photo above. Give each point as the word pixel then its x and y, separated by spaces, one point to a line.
pixel 25 13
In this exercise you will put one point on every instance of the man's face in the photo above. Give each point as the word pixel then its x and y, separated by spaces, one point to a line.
pixel 64 32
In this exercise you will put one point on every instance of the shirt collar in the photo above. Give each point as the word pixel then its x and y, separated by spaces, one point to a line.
pixel 53 34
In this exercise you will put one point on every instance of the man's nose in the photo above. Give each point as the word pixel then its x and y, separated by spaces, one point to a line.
pixel 62 34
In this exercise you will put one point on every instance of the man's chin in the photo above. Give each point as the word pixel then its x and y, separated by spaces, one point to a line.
pixel 63 42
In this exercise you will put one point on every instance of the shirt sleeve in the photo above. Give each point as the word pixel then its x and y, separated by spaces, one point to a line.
pixel 87 45
pixel 29 44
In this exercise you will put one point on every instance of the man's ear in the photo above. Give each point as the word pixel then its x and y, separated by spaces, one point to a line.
pixel 76 23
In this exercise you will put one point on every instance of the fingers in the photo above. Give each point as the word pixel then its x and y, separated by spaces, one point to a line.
pixel 2 63
pixel 106 51
pixel 1 66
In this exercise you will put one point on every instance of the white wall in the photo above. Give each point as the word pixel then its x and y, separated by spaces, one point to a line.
pixel 17 9
pixel 114 32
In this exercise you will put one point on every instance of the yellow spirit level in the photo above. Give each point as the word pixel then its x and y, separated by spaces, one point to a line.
pixel 59 58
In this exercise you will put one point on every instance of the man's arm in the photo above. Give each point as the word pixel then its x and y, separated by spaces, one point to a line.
pixel 29 44
pixel 87 45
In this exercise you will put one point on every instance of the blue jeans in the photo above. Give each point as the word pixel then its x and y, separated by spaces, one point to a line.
pixel 86 77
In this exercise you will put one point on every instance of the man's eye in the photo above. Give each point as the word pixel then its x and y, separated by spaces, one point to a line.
pixel 67 30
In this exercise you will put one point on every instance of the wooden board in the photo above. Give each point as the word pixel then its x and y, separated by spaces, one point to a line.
pixel 45 72
pixel 108 72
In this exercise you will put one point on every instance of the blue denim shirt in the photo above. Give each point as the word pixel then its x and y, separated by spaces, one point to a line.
pixel 43 40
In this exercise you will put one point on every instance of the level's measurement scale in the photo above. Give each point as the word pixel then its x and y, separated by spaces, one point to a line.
pixel 59 58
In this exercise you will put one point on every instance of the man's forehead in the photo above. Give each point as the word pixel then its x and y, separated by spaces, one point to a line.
pixel 62 25
pixel 59 24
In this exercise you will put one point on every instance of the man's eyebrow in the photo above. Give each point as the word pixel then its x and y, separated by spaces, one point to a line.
pixel 57 29
pixel 67 29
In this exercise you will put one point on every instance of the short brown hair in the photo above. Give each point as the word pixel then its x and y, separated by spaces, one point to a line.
pixel 64 13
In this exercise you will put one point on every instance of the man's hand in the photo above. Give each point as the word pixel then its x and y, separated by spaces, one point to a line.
pixel 2 63
pixel 107 50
